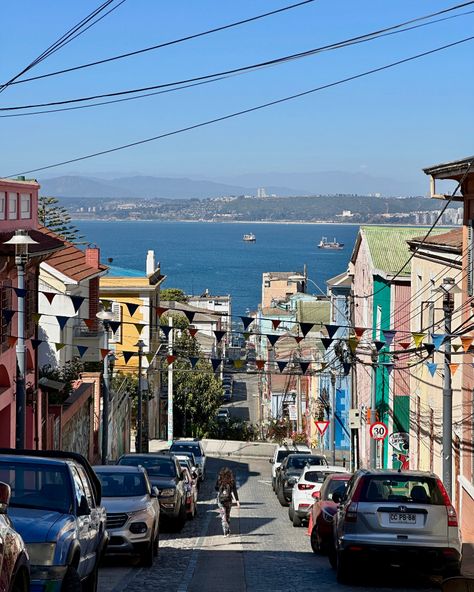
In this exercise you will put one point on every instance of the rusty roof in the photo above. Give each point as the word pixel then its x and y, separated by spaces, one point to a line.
pixel 451 170
pixel 71 261
pixel 452 239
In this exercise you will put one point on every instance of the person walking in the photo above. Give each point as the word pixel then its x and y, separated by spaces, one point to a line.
pixel 226 490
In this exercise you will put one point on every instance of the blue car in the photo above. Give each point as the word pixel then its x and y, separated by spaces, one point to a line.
pixel 55 506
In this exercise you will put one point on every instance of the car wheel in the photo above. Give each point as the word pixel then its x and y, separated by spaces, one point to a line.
pixel 156 544
pixel 281 497
pixel 146 559
pixel 315 540
pixel 273 483
pixel 452 572
pixel 296 520
pixel 71 581
pixel 90 585
pixel 180 520
pixel 332 556
pixel 343 566
pixel 22 582
pixel 291 512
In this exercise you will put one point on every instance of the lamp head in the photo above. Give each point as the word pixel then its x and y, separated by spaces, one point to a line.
pixel 140 343
pixel 21 240
pixel 105 315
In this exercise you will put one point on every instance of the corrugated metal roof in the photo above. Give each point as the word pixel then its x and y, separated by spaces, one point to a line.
pixel 388 246
pixel 453 238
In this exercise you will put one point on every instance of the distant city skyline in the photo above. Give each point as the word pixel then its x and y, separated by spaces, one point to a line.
pixel 387 125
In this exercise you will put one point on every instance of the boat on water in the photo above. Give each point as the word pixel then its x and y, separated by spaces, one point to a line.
pixel 249 238
pixel 325 244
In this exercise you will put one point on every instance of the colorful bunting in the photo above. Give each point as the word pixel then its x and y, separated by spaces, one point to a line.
pixel 166 330
pixel 127 355
pixel 139 327
pixel 246 335
pixel 192 331
pixel 431 367
pixel 59 346
pixel 273 339
pixel 353 342
pixel 247 321
pixel 62 320
pixel 82 349
pixel 170 358
pixel 388 335
pixel 20 292
pixel 456 346
pixel 132 308
pixel 215 363
pixel 219 335
pixel 275 323
pixel 378 344
pixel 389 366
pixel 194 360
pixel 8 315
pixel 114 326
pixel 429 347
pixel 260 364
pixel 437 339
pixel 326 341
pixel 238 363
pixel 150 356
pixel 306 328
pixel 189 315
pixel 161 311
pixel 50 296
pixel 453 368
pixel 418 338
pixel 77 302
pixel 298 338
pixel 104 352
pixel 404 344
pixel 331 329
pixel 346 368
pixel 12 341
pixel 90 323
pixel 36 317
pixel 359 331
pixel 35 343
pixel 304 366
pixel 282 365
pixel 466 341
pixel 324 365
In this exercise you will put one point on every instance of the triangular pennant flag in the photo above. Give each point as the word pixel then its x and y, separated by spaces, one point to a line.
pixel 429 347
pixel 388 335
pixel 170 358
pixel 20 292
pixel 132 308
pixel 62 320
pixel 378 344
pixel 404 344
pixel 389 366
pixel 59 346
pixel 127 355
pixel 12 341
pixel 77 302
pixel 331 329
pixel 276 323
pixel 193 361
pixel 326 341
pixel 304 366
pixel 298 338
pixel 166 330
pixel 150 357
pixel 260 364
pixel 192 331
pixel 324 365
pixel 359 331
pixel 238 363
pixel 273 339
pixel 90 323
pixel 456 347
pixel 35 343
pixel 246 335
pixel 36 317
pixel 453 368
pixel 219 335
pixel 215 363
pixel 353 342
pixel 189 315
pixel 8 315
pixel 139 327
pixel 161 311
pixel 418 338
pixel 247 321
pixel 438 339
pixel 306 328
pixel 114 325
pixel 104 352
pixel 466 341
pixel 82 349
pixel 282 365
pixel 346 368
pixel 50 296
pixel 431 367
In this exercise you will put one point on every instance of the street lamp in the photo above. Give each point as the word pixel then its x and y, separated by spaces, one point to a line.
pixel 140 345
pixel 448 288
pixel 105 316
pixel 374 355
pixel 21 240
pixel 332 419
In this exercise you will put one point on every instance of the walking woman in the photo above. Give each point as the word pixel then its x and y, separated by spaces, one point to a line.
pixel 226 490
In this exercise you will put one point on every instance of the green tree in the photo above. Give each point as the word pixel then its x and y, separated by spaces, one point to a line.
pixel 57 218
pixel 173 294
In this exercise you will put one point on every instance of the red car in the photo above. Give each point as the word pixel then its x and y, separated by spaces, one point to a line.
pixel 323 510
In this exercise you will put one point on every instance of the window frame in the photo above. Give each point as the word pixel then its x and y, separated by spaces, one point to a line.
pixel 25 198
pixel 12 198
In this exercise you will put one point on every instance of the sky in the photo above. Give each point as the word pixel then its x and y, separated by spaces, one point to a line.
pixel 390 124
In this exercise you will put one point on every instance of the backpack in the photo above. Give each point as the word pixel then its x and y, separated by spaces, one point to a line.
pixel 224 494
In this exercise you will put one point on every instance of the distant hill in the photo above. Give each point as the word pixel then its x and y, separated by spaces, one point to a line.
pixel 144 187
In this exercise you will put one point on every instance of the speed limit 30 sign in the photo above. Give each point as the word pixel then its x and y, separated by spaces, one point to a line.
pixel 378 430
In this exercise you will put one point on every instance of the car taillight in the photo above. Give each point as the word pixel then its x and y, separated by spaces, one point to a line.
pixel 316 494
pixel 450 511
pixel 351 512
pixel 304 486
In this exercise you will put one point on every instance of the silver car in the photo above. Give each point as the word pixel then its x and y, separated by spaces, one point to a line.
pixel 390 518
pixel 133 511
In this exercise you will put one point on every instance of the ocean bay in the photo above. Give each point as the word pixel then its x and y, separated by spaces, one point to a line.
pixel 196 256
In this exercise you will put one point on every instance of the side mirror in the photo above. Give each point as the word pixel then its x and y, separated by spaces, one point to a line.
pixel 155 492
pixel 5 494
pixel 336 497
pixel 83 509
pixel 271 461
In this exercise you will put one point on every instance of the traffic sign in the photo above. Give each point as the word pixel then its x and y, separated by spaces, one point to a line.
pixel 378 430
pixel 322 426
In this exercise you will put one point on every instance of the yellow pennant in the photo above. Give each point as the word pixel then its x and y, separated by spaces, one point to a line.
pixel 238 363
pixel 59 346
pixel 36 317
pixel 418 338
pixel 353 342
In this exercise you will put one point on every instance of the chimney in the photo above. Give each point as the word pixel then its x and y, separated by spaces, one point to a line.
pixel 93 256
pixel 150 263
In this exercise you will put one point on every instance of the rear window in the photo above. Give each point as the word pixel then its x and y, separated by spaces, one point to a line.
pixel 339 485
pixel 299 462
pixel 155 467
pixel 180 448
pixel 122 484
pixel 401 489
pixel 282 454
pixel 316 476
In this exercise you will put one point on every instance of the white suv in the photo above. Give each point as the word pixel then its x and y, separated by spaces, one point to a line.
pixel 281 452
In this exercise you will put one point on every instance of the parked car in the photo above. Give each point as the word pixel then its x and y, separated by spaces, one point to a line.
pixel 395 518
pixel 191 494
pixel 226 393
pixel 133 512
pixel 289 472
pixel 307 489
pixel 188 460
pixel 165 473
pixel 14 562
pixel 56 508
pixel 323 510
pixel 223 415
pixel 194 446
pixel 281 452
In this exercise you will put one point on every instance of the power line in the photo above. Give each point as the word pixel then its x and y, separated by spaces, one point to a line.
pixel 245 111
pixel 393 30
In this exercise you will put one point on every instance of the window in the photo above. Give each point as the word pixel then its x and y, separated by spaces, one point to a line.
pixel 116 337
pixel 427 319
pixel 12 206
pixel 25 206
pixel 3 202
pixel 79 491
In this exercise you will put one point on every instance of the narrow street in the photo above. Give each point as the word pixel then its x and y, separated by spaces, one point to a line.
pixel 264 552
pixel 244 404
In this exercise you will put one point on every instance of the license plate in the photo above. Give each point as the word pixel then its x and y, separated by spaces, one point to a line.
pixel 402 518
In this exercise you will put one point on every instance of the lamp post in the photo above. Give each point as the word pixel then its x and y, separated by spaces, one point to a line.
pixel 140 344
pixel 21 240
pixel 332 419
pixel 374 354
pixel 105 316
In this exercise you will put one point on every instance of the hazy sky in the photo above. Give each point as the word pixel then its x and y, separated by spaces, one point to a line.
pixel 389 124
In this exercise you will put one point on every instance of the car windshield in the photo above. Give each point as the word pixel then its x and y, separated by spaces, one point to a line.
pixel 299 462
pixel 122 484
pixel 157 467
pixel 183 448
pixel 37 486
pixel 336 485
pixel 401 488
pixel 282 454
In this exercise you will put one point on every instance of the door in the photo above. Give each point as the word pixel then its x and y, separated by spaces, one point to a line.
pixel 83 522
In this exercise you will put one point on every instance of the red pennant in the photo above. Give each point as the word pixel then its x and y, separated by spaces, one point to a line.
pixel 404 344
pixel 260 364
pixel 275 323
pixel 170 359
pixel 298 338
pixel 104 352
pixel 160 310
pixel 90 323
pixel 359 331
pixel 192 331
pixel 12 341
pixel 50 296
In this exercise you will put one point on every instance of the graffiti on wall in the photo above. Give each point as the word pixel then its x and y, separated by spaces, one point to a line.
pixel 400 442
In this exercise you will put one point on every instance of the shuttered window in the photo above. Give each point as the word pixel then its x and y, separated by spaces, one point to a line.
pixel 117 312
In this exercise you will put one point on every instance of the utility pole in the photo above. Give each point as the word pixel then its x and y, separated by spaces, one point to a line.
pixel 332 419
pixel 299 426
pixel 170 383
pixel 373 407
pixel 140 345
pixel 448 307
pixel 105 400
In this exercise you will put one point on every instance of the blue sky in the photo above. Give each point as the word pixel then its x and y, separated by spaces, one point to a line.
pixel 390 124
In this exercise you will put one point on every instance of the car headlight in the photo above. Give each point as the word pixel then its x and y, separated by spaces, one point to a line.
pixel 41 553
pixel 167 492
pixel 135 514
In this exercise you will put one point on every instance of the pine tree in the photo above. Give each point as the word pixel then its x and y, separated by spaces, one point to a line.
pixel 57 218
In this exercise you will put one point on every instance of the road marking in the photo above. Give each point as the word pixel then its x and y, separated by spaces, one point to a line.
pixel 189 573
pixel 265 482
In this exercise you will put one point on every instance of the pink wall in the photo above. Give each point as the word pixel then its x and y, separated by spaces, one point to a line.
pixel 10 187
pixel 401 321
